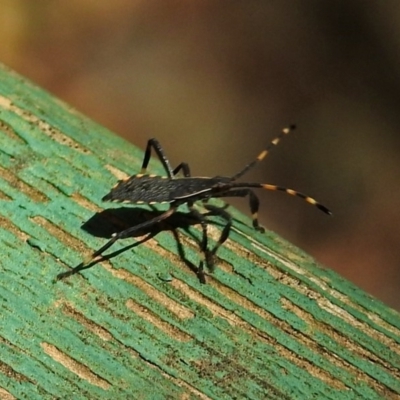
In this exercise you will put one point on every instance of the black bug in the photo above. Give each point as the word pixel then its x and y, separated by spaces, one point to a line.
pixel 152 189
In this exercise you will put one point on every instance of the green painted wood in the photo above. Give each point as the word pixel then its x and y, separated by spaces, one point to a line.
pixel 270 323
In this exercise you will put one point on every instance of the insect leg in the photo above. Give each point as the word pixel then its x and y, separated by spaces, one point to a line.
pixel 219 211
pixel 97 255
pixel 185 169
pixel 204 241
pixel 200 217
pixel 153 143
pixel 254 204
pixel 210 255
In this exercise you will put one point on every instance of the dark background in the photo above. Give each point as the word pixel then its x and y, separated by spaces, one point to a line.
pixel 215 80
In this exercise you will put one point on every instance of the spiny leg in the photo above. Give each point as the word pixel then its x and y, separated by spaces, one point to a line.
pixel 153 143
pixel 218 211
pixel 210 255
pixel 254 204
pixel 199 216
pixel 204 241
pixel 191 266
pixel 97 255
pixel 185 169
pixel 83 266
pixel 264 153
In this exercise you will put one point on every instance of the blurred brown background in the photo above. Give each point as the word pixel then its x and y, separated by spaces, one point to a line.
pixel 214 81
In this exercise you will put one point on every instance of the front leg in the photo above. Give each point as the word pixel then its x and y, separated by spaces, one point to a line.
pixel 153 143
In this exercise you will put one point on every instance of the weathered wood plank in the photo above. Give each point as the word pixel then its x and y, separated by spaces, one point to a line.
pixel 270 323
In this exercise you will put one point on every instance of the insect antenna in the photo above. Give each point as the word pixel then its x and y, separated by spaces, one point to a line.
pixel 264 153
pixel 292 192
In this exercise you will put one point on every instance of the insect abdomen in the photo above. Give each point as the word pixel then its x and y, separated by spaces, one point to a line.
pixel 154 189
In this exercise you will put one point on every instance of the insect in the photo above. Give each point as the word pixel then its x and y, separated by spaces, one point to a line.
pixel 176 191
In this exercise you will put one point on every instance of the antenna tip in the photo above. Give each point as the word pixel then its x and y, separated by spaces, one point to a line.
pixel 326 210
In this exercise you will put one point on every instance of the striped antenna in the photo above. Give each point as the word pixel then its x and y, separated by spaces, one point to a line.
pixel 292 192
pixel 264 153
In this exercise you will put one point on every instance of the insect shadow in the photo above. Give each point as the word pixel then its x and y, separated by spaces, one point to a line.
pixel 103 225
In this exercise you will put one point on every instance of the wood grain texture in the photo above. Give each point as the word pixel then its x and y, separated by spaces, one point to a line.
pixel 270 323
